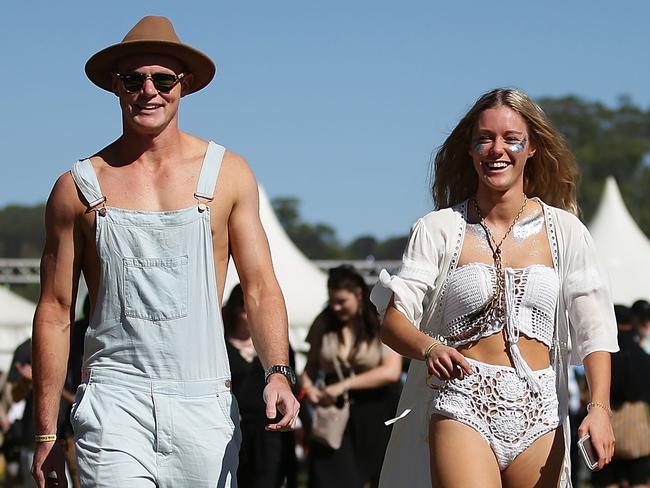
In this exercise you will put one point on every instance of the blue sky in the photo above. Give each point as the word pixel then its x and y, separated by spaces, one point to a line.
pixel 338 103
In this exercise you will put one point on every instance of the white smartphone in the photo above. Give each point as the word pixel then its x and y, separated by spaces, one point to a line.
pixel 587 452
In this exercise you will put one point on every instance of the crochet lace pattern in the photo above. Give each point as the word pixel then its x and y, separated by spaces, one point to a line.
pixel 501 407
pixel 531 295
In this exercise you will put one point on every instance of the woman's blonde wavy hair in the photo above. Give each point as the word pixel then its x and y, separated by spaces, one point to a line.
pixel 550 174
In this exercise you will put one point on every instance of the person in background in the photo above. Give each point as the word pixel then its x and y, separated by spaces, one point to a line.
pixel 8 464
pixel 348 331
pixel 20 381
pixel 641 311
pixel 266 459
pixel 630 373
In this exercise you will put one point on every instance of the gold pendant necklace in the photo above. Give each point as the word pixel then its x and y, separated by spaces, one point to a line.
pixel 494 308
pixel 496 248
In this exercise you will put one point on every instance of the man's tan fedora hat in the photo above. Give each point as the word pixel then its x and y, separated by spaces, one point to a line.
pixel 151 35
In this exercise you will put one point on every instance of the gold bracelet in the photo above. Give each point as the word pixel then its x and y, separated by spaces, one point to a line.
pixel 45 437
pixel 431 347
pixel 607 409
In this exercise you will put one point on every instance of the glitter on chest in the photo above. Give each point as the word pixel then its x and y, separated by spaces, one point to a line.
pixel 480 239
pixel 528 227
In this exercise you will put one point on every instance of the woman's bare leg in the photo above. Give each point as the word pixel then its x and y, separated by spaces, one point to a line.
pixel 538 466
pixel 460 457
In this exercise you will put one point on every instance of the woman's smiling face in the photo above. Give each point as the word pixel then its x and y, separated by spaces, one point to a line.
pixel 500 148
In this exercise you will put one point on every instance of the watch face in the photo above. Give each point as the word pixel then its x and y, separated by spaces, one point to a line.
pixel 287 371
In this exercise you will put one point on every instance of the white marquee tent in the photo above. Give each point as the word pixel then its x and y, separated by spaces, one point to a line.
pixel 16 314
pixel 622 247
pixel 304 285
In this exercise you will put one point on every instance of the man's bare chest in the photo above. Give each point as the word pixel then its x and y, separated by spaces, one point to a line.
pixel 163 192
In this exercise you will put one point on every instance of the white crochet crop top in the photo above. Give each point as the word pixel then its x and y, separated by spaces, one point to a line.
pixel 531 297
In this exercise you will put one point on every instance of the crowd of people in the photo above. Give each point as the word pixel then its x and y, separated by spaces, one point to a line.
pixel 630 390
pixel 499 290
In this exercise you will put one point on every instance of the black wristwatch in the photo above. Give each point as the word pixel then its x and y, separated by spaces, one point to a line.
pixel 283 369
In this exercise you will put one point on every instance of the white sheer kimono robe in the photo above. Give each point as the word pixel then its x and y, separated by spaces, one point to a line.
pixel 585 323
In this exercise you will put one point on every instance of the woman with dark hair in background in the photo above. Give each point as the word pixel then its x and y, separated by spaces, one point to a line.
pixel 347 332
pixel 266 458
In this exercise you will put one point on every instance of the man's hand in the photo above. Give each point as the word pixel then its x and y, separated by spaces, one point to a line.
pixel 48 458
pixel 279 397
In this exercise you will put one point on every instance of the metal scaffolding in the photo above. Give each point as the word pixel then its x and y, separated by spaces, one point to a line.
pixel 27 270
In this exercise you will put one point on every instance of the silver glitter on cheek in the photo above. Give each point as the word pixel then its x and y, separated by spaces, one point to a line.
pixel 519 146
pixel 479 147
pixel 528 227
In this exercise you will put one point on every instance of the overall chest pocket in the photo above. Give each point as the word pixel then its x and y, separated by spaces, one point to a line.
pixel 155 288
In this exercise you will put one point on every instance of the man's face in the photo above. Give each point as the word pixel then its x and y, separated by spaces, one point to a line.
pixel 148 110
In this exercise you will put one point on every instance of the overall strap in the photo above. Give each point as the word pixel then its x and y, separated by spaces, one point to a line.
pixel 210 171
pixel 85 178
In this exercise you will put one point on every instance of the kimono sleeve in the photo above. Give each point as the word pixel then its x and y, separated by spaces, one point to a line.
pixel 588 299
pixel 414 280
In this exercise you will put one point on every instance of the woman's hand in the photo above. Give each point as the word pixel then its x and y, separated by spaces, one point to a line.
pixel 597 424
pixel 335 390
pixel 313 395
pixel 445 363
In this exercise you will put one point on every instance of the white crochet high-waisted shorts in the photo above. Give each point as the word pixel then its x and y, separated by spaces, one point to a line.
pixel 501 407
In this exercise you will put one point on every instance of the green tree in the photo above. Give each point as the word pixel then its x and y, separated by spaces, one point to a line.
pixel 361 248
pixel 22 231
pixel 317 241
pixel 286 210
pixel 607 141
pixel 391 248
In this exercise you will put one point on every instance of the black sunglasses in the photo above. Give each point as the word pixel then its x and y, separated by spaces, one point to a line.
pixel 163 82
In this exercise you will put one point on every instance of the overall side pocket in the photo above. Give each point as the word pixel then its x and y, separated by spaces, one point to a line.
pixel 82 398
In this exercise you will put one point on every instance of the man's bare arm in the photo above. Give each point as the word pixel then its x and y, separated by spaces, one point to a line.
pixel 250 249
pixel 60 269
pixel 262 296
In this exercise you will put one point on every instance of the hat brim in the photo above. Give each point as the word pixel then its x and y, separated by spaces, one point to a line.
pixel 100 66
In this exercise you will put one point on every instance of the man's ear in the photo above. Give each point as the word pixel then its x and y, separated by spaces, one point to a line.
pixel 186 84
pixel 114 84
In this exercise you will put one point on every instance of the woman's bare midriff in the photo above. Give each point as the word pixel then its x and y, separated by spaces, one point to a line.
pixel 493 350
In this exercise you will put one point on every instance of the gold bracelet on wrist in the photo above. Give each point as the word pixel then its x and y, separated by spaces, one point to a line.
pixel 431 347
pixel 607 409
pixel 45 437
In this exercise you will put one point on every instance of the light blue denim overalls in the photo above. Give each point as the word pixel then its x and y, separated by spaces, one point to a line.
pixel 155 408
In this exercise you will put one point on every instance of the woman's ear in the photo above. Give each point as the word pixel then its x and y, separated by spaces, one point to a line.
pixel 359 294
pixel 531 149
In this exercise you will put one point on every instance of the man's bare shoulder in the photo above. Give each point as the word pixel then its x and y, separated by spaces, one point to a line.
pixel 65 201
pixel 236 164
pixel 237 176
